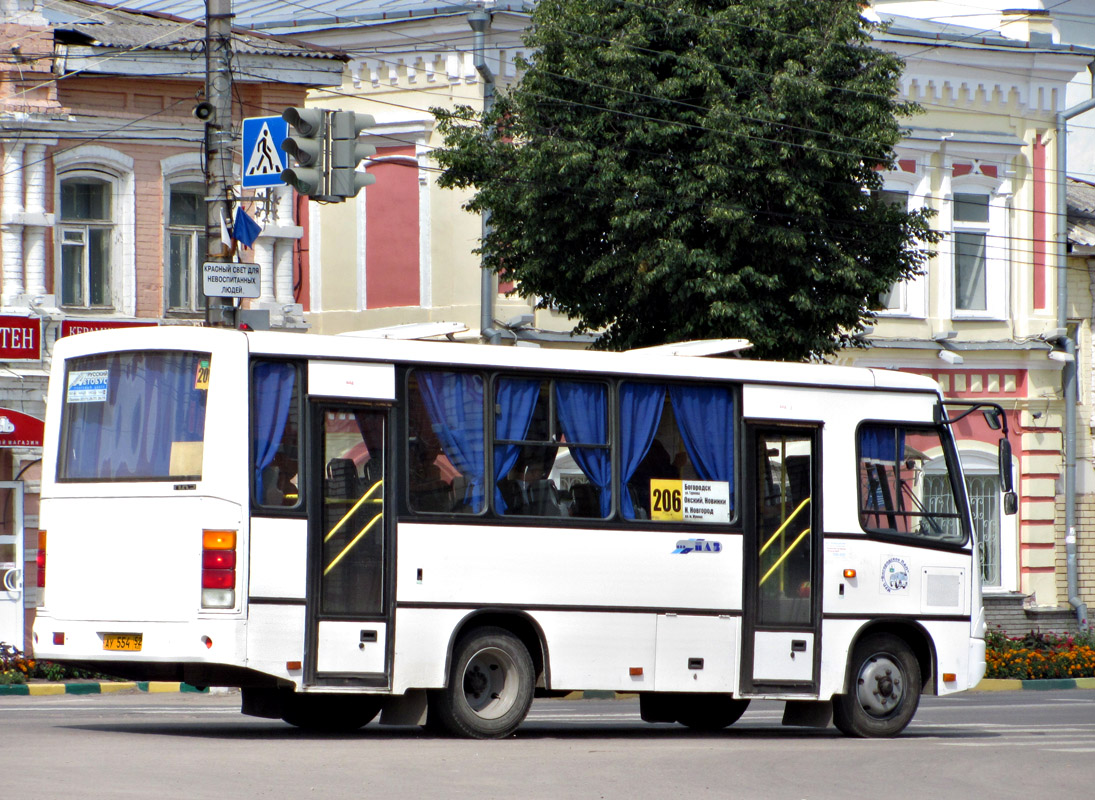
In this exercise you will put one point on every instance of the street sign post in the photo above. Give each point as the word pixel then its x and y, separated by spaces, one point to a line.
pixel 225 279
pixel 263 158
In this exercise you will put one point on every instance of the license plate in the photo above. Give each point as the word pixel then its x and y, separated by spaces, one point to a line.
pixel 122 641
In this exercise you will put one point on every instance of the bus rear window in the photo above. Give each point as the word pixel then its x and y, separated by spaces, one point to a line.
pixel 134 417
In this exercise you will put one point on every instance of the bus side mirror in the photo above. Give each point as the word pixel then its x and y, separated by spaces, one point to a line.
pixel 1011 499
pixel 992 418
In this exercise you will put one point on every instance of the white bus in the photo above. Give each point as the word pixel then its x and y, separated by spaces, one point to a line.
pixel 440 532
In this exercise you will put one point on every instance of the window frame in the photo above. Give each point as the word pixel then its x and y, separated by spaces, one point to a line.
pixel 996 259
pixel 489 513
pixel 911 294
pixel 196 235
pixel 86 227
pixel 259 508
pixel 948 457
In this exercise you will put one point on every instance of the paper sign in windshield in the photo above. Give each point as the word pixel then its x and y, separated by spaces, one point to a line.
pixel 87 386
pixel 690 501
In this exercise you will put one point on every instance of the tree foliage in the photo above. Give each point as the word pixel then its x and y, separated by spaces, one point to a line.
pixel 669 170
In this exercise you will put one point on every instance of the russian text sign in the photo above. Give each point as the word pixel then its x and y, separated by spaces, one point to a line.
pixel 225 279
pixel 20 338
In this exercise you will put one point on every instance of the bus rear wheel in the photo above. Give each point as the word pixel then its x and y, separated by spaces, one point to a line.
pixel 884 692
pixel 490 686
pixel 330 713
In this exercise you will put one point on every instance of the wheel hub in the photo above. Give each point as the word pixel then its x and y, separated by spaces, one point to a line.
pixel 881 686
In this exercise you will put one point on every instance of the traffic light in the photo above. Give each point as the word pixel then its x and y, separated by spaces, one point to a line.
pixel 347 152
pixel 306 144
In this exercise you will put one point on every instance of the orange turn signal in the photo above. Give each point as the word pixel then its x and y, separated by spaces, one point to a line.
pixel 849 573
pixel 635 672
pixel 949 677
pixel 218 540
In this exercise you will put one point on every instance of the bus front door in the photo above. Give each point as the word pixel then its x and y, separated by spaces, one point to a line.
pixel 781 626
pixel 349 630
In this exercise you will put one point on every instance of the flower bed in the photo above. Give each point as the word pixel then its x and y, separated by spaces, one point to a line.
pixel 1040 655
pixel 15 667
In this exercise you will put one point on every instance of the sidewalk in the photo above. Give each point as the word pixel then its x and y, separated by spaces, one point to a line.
pixel 95 687
pixel 1016 684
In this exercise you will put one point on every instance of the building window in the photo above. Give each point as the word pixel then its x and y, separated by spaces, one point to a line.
pixel 86 231
pixel 186 246
pixel 894 300
pixel 970 259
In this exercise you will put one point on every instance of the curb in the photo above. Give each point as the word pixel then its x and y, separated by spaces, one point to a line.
pixel 96 687
pixel 1045 684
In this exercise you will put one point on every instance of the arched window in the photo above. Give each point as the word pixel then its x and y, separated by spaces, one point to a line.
pixel 87 220
pixel 95 256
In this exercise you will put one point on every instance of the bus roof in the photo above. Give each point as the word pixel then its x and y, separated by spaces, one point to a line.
pixel 645 363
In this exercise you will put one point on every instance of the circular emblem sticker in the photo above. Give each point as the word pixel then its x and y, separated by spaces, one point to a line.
pixel 895 575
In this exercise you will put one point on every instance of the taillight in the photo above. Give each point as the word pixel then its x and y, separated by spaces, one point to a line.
pixel 40 561
pixel 218 569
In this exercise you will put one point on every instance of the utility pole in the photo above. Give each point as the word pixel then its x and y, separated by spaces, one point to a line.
pixel 219 311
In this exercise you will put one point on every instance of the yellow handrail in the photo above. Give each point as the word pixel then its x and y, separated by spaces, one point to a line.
pixel 353 542
pixel 783 557
pixel 782 527
pixel 352 510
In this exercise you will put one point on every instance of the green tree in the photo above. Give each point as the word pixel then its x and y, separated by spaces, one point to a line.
pixel 668 170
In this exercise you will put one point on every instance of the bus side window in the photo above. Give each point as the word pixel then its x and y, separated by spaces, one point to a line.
pixel 275 435
pixel 446 464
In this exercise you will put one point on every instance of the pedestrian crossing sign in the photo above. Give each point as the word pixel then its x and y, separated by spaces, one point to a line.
pixel 263 158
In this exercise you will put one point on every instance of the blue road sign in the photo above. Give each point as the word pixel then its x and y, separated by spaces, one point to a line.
pixel 263 158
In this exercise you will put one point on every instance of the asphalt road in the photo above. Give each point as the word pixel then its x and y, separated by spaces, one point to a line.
pixel 1001 745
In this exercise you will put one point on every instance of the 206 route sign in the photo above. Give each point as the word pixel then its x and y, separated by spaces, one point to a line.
pixel 224 279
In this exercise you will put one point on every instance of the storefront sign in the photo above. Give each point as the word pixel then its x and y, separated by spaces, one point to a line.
pixel 20 430
pixel 71 327
pixel 20 338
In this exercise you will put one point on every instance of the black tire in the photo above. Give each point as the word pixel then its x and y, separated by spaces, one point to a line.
pixel 884 689
pixel 709 712
pixel 330 713
pixel 490 686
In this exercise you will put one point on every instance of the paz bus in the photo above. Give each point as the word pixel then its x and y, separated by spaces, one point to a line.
pixel 439 532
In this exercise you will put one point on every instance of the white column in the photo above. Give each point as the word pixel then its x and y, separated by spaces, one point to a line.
pixel 283 271
pixel 264 257
pixel 34 243
pixel 11 210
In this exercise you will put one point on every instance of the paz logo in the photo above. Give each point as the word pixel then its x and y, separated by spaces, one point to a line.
pixel 895 575
pixel 686 546
pixel 6 425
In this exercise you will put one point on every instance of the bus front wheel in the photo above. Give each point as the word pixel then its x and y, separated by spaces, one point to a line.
pixel 885 689
pixel 490 686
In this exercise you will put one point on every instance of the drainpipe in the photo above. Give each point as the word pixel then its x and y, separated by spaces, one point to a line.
pixel 479 20
pixel 1068 374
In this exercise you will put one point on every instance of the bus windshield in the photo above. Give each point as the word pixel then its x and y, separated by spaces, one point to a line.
pixel 134 416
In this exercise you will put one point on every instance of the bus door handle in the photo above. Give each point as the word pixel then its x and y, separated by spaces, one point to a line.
pixel 797 646
pixel 367 636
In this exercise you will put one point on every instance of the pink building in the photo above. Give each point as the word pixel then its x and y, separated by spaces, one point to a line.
pixel 102 221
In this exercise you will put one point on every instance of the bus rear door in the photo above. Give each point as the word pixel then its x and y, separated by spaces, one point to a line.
pixel 349 619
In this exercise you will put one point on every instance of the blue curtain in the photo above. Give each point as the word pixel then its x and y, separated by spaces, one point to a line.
pixel 273 398
pixel 882 443
pixel 705 417
pixel 640 412
pixel 151 403
pixel 583 416
pixel 516 401
pixel 454 403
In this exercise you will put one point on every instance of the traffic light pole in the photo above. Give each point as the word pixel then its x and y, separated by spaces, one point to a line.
pixel 219 311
